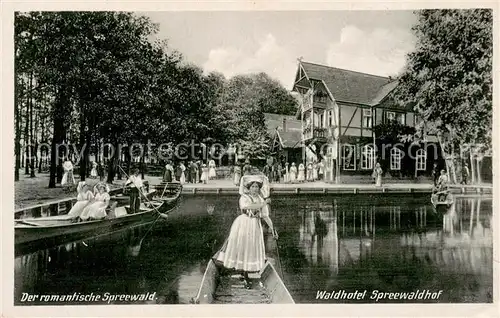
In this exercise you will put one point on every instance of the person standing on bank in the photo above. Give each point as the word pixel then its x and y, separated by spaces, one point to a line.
pixel 68 180
pixel 435 173
pixel 244 249
pixel 169 171
pixel 301 173
pixel 465 174
pixel 212 173
pixel 204 173
pixel 321 170
pixel 236 173
pixel 377 174
pixel 182 178
pixel 135 185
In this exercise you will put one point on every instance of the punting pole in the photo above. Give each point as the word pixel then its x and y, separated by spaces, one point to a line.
pixel 159 214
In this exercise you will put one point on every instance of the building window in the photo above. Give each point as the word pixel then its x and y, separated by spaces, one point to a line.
pixel 367 117
pixel 321 121
pixel 390 116
pixel 321 97
pixel 348 157
pixel 421 160
pixel 402 119
pixel 331 118
pixel 396 155
pixel 367 157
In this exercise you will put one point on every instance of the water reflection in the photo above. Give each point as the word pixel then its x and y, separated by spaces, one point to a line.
pixel 373 240
pixel 326 243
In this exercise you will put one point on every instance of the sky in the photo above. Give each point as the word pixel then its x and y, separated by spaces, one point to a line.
pixel 373 42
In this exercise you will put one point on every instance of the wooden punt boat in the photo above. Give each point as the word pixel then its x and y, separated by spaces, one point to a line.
pixel 219 288
pixel 48 231
pixel 442 207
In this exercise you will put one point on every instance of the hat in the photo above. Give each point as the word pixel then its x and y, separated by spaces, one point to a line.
pixel 102 185
pixel 259 178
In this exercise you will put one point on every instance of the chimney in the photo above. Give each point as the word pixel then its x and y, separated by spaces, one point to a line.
pixel 284 124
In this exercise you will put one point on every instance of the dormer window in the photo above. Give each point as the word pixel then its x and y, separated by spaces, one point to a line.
pixel 320 97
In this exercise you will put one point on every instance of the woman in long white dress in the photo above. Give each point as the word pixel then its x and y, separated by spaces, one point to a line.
pixel 300 175
pixel 293 172
pixel 182 179
pixel 244 249
pixel 93 172
pixel 212 174
pixel 68 179
pixel 204 173
pixel 377 174
pixel 309 172
pixel 96 210
pixel 84 197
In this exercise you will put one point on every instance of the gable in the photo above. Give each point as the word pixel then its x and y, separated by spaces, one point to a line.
pixel 350 86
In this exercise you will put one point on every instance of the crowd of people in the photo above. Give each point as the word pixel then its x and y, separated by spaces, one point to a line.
pixel 193 172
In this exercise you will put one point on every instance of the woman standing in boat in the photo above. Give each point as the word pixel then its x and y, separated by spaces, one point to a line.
pixel 84 197
pixel 96 210
pixel 244 249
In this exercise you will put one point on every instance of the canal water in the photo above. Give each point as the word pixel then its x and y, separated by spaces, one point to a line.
pixel 326 244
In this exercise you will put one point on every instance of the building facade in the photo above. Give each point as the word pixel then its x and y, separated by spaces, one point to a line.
pixel 338 109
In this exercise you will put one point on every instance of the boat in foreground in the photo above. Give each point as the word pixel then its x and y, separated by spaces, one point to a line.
pixel 218 287
pixel 58 229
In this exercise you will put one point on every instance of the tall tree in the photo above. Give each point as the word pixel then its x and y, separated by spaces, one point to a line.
pixel 448 78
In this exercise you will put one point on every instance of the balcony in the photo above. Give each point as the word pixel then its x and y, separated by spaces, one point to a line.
pixel 317 133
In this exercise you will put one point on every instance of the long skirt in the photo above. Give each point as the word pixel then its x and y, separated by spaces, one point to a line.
pixel 77 209
pixel 96 210
pixel 168 176
pixel 212 173
pixel 315 174
pixel 93 173
pixel 244 249
pixel 204 176
pixel 292 177
pixel 236 178
pixel 300 176
pixel 68 179
pixel 182 179
pixel 378 181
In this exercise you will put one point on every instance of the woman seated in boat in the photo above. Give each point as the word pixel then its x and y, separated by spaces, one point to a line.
pixel 96 210
pixel 84 197
pixel 244 249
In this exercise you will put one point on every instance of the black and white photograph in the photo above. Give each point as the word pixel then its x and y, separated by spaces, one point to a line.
pixel 251 157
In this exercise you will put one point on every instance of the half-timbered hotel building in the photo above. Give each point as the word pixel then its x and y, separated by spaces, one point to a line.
pixel 338 109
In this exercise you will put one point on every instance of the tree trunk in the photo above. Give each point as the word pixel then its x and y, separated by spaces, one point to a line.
pixel 32 137
pixel 112 164
pixel 478 168
pixel 83 160
pixel 142 162
pixel 17 118
pixel 57 138
pixel 42 140
pixel 472 167
pixel 26 133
